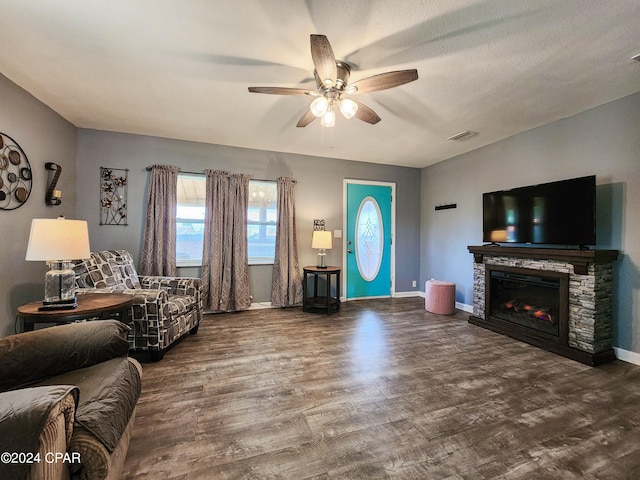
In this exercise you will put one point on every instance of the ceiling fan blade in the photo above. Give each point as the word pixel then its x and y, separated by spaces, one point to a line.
pixel 282 91
pixel 306 119
pixel 324 60
pixel 365 114
pixel 383 81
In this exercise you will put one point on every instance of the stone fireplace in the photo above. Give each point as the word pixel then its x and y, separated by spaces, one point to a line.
pixel 559 300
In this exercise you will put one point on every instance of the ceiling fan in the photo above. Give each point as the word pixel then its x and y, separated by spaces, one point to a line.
pixel 332 82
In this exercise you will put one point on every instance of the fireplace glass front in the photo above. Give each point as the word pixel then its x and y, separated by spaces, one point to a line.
pixel 532 301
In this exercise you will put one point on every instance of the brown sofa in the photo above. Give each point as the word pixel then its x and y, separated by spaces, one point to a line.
pixel 67 401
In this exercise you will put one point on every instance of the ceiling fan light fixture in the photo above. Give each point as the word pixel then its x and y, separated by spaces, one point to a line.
pixel 319 106
pixel 328 120
pixel 348 108
pixel 332 81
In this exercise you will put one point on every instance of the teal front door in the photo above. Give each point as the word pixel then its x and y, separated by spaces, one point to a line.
pixel 368 257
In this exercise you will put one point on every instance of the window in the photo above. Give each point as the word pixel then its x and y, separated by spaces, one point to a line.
pixel 190 219
pixel 261 220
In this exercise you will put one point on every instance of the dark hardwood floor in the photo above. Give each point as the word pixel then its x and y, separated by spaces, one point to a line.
pixel 381 389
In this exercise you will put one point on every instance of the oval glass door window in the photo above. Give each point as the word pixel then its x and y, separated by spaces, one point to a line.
pixel 369 238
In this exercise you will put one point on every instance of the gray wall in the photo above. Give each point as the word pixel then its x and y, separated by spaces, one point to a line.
pixel 604 141
pixel 45 137
pixel 318 194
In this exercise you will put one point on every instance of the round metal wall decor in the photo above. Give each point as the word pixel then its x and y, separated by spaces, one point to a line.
pixel 15 174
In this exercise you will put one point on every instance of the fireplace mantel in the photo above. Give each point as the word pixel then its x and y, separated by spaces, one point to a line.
pixel 580 259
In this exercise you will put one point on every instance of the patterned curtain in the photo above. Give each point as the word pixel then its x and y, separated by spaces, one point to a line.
pixel 235 279
pixel 159 236
pixel 286 283
pixel 216 199
pixel 225 265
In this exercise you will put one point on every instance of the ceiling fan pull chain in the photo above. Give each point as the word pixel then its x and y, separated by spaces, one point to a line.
pixel 331 138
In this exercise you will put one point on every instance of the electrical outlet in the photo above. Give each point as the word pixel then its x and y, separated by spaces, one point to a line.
pixel 413 284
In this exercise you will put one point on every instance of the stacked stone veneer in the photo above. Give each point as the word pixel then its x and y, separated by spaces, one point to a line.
pixel 589 298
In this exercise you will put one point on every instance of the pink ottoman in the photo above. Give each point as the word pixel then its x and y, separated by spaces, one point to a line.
pixel 440 297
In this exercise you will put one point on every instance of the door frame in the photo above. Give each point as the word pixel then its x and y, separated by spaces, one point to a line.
pixel 392 266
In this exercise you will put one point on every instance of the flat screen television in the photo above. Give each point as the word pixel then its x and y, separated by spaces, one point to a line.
pixel 558 213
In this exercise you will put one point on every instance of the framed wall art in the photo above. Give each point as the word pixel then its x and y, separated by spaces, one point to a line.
pixel 113 196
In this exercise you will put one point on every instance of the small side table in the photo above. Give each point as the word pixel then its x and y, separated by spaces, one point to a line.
pixel 326 303
pixel 90 305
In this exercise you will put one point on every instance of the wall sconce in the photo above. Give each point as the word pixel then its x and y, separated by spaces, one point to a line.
pixel 53 196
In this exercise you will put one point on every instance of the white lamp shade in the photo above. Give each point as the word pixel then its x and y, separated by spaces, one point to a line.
pixel 328 119
pixel 348 108
pixel 319 106
pixel 321 239
pixel 58 239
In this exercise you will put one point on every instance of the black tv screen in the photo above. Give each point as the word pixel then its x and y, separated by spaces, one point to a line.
pixel 562 213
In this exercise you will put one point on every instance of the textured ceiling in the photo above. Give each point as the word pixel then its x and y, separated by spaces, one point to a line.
pixel 180 69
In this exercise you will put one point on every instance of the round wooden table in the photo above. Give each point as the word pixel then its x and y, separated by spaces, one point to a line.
pixel 90 305
pixel 327 302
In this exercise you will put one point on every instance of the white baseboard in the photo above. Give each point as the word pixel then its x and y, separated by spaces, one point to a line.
pixel 627 356
pixel 345 299
pixel 254 306
pixel 260 305
pixel 413 293
pixel 464 307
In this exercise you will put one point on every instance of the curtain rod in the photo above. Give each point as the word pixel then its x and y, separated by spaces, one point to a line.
pixel 202 173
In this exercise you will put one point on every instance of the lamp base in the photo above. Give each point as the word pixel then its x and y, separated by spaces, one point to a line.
pixel 59 284
pixel 322 259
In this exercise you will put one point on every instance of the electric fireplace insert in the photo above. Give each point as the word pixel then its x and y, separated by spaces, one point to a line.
pixel 530 302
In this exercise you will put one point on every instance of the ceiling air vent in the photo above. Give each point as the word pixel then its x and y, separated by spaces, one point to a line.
pixel 466 135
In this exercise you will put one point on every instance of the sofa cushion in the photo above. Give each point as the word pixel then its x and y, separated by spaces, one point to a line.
pixel 107 268
pixel 109 392
pixel 29 357
pixel 181 304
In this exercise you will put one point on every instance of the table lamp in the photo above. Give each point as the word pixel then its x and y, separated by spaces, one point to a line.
pixel 321 240
pixel 58 241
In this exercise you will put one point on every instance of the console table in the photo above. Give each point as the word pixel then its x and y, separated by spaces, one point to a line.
pixel 314 302
pixel 90 305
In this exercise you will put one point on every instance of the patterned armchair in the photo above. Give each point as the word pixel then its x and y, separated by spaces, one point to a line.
pixel 164 308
